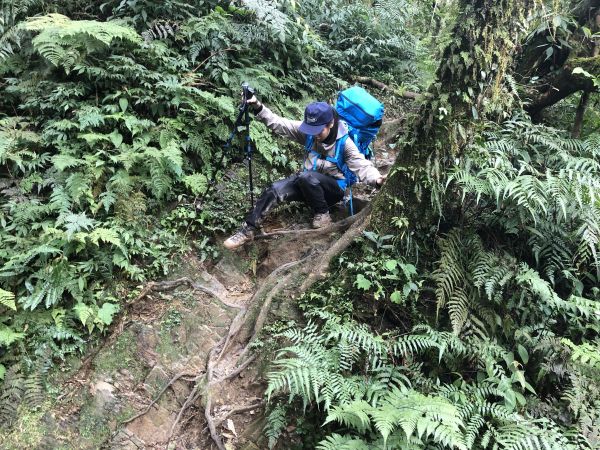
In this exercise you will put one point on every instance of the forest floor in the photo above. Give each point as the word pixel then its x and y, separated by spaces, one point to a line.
pixel 184 367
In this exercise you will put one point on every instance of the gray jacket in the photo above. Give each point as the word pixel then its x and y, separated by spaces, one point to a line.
pixel 357 163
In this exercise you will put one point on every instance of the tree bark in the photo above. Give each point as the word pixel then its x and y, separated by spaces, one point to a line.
pixel 469 87
pixel 563 83
pixel 585 98
pixel 557 80
pixel 579 114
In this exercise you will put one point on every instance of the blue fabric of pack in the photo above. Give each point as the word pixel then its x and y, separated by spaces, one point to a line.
pixel 338 160
pixel 363 115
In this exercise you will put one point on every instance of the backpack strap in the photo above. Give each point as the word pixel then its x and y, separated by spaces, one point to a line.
pixel 308 146
pixel 337 159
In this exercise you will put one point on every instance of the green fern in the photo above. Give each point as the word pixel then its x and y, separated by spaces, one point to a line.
pixel 415 414
pixel 22 388
pixel 276 422
pixel 586 353
pixel 11 13
pixel 338 442
pixel 8 336
pixel 7 299
pixel 61 40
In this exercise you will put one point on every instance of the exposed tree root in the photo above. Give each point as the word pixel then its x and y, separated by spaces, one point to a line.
pixel 196 393
pixel 235 373
pixel 164 389
pixel 315 270
pixel 318 271
pixel 251 320
pixel 241 319
pixel 336 226
pixel 239 409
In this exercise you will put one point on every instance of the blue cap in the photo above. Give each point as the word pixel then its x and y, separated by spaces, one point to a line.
pixel 317 116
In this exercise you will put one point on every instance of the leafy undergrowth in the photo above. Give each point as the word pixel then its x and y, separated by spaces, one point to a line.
pixel 493 345
pixel 112 125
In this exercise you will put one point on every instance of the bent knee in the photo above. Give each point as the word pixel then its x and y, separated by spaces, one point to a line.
pixel 307 177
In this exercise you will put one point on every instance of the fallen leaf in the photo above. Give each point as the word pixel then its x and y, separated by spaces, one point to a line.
pixel 230 426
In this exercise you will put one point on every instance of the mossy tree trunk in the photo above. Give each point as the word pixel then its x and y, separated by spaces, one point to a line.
pixel 470 86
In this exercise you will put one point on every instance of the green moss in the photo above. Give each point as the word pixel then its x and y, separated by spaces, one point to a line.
pixel 126 412
pixel 120 355
pixel 27 432
pixel 590 65
pixel 167 347
pixel 36 428
pixel 93 426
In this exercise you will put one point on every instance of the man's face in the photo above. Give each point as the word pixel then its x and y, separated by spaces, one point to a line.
pixel 323 134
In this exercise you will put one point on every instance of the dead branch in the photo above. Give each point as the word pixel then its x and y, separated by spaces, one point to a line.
pixel 170 285
pixel 384 87
pixel 161 286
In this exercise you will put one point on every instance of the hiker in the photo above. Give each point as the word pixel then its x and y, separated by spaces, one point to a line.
pixel 322 183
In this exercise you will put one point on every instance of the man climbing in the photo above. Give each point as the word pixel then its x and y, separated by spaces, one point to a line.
pixel 322 183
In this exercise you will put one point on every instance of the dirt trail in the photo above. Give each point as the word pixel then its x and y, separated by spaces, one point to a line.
pixel 179 369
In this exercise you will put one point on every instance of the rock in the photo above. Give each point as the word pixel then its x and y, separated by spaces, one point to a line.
pixel 104 397
pixel 125 440
pixel 213 283
pixel 172 399
pixel 181 390
pixel 229 270
pixel 147 341
pixel 156 379
pixel 154 426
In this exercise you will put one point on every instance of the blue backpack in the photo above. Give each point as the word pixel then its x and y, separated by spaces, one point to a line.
pixel 363 115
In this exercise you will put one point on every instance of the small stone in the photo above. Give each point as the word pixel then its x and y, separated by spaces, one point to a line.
pixel 104 398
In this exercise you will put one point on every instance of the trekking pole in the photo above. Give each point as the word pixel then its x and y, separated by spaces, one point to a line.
pixel 248 92
pixel 243 119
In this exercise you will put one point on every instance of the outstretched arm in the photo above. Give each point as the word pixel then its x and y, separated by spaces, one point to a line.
pixel 362 167
pixel 283 127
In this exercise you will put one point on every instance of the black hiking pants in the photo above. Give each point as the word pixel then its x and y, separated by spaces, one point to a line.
pixel 318 190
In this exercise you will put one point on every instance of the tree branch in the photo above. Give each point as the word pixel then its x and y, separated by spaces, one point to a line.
pixel 384 87
pixel 563 83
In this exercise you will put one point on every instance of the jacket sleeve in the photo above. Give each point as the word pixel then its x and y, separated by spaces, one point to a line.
pixel 357 163
pixel 283 127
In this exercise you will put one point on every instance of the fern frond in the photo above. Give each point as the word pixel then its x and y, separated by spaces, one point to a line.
pixel 61 40
pixel 7 299
pixel 339 442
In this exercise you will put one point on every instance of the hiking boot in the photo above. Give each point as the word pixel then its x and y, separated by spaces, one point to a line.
pixel 243 235
pixel 321 220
